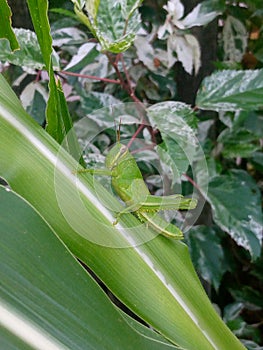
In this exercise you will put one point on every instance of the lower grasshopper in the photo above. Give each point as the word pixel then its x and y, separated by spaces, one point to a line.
pixel 128 183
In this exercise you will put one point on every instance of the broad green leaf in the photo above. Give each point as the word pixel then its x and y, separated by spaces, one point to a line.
pixel 47 300
pixel 236 203
pixel 231 90
pixel 38 11
pixel 6 30
pixel 64 12
pixel 207 253
pixel 238 143
pixel 177 123
pixel 166 292
pixel 29 54
pixel 114 23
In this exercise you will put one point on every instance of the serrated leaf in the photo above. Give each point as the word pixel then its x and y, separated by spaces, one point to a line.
pixel 207 253
pixel 6 30
pixel 114 23
pixel 231 90
pixel 236 205
pixel 176 122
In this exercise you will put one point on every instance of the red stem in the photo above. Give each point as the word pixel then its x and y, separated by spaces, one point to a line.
pixel 135 134
pixel 106 80
pixel 193 182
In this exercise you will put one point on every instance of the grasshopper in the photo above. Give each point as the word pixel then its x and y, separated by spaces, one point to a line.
pixel 128 183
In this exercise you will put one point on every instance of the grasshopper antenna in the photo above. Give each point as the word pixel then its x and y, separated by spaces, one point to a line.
pixel 118 131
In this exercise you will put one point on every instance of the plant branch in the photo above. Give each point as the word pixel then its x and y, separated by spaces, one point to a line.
pixel 106 80
pixel 193 183
pixel 140 128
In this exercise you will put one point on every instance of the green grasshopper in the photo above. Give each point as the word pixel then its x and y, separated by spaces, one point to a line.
pixel 128 183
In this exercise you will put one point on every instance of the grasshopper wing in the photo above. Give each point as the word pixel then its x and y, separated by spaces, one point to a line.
pixel 174 202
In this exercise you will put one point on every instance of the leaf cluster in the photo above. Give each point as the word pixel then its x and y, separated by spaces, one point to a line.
pixel 119 65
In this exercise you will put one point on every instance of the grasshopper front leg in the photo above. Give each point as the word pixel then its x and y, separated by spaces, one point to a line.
pixel 103 172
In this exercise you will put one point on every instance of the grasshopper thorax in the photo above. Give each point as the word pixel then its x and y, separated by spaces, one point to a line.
pixel 116 155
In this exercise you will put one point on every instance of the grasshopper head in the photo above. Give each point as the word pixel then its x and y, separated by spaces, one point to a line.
pixel 115 155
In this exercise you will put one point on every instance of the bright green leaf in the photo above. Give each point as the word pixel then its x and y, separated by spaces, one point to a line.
pixel 58 119
pixel 231 90
pixel 38 11
pixel 46 292
pixel 166 292
pixel 114 23
pixel 236 203
pixel 6 30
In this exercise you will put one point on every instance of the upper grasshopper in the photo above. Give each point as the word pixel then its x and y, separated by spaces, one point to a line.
pixel 128 183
